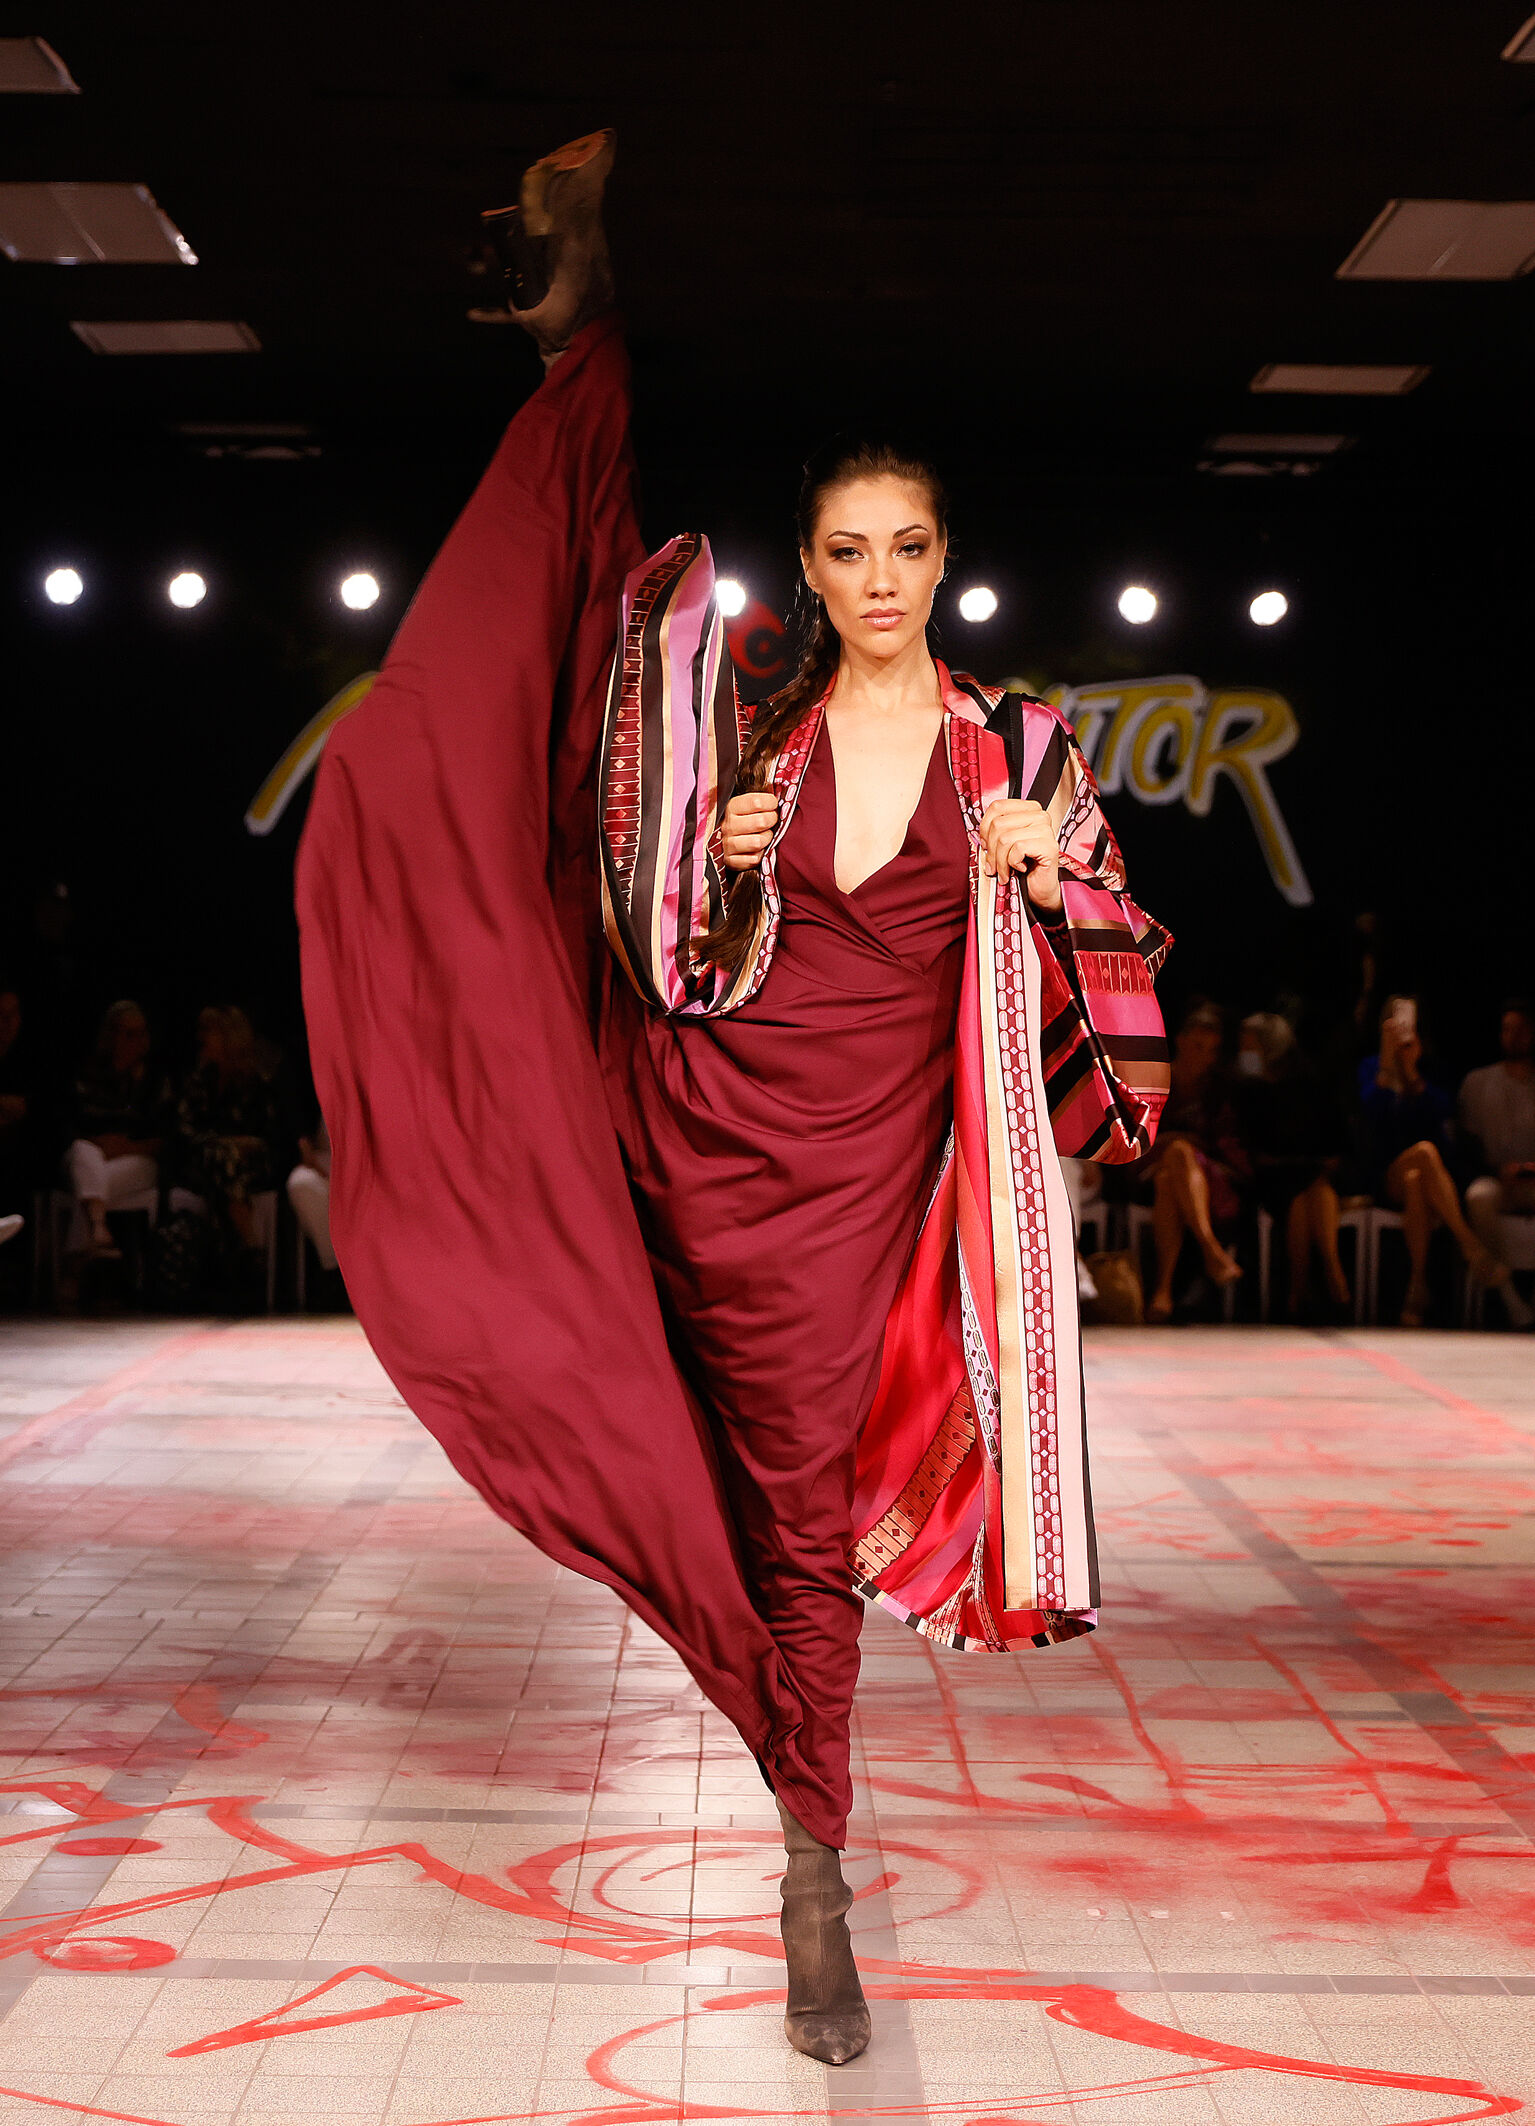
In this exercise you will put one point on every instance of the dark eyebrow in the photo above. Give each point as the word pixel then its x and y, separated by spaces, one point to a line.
pixel 901 534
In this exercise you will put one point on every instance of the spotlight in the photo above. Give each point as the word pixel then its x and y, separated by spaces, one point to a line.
pixel 1137 604
pixel 977 604
pixel 1268 607
pixel 62 586
pixel 186 590
pixel 730 596
pixel 359 592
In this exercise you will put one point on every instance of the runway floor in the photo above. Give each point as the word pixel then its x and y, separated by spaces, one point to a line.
pixel 330 1803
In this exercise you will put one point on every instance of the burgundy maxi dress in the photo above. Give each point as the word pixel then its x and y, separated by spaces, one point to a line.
pixel 668 1409
pixel 781 1157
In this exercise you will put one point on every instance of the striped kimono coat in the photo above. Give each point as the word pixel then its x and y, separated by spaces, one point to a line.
pixel 973 1514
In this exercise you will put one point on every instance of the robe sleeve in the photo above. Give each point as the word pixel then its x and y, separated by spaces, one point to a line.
pixel 673 735
pixel 1104 1048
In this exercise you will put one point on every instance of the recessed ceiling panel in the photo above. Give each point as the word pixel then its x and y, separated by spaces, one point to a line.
pixel 1281 446
pixel 29 66
pixel 187 335
pixel 1363 380
pixel 1445 240
pixel 89 225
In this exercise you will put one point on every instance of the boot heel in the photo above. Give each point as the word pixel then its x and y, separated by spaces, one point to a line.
pixel 523 259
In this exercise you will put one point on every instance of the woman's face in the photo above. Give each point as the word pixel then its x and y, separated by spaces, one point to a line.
pixel 1198 1048
pixel 876 560
pixel 130 1042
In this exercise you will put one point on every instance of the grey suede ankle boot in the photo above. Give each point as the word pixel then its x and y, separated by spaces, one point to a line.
pixel 826 2014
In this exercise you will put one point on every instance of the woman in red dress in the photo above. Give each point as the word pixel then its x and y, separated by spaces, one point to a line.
pixel 651 1288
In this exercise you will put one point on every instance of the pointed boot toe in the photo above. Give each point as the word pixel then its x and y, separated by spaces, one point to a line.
pixel 836 2039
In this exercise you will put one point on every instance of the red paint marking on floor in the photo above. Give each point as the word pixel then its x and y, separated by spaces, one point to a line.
pixel 95 1402
pixel 1089 2008
pixel 103 1848
pixel 107 1952
pixel 285 2022
pixel 1406 1376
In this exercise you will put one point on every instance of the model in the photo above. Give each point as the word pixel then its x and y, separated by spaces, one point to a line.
pixel 733 1265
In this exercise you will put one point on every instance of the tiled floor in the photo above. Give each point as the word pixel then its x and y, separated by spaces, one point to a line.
pixel 331 1804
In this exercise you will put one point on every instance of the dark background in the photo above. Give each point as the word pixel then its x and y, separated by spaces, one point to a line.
pixel 1052 240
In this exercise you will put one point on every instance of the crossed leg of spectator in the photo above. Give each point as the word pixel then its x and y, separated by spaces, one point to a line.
pixel 1488 1202
pixel 1181 1204
pixel 1312 1227
pixel 1419 1184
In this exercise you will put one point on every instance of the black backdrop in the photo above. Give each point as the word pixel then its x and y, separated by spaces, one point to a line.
pixel 137 735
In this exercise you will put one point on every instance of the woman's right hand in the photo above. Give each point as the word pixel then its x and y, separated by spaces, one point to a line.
pixel 747 828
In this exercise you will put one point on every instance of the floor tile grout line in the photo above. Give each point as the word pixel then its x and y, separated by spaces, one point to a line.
pixel 1479 1754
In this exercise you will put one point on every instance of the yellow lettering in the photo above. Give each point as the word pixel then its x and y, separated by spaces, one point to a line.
pixel 1243 731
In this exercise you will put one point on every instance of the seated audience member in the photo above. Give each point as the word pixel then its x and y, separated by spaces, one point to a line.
pixel 1200 1162
pixel 227 1124
pixel 1404 1140
pixel 1084 1187
pixel 309 1193
pixel 1497 1116
pixel 121 1119
pixel 1297 1137
pixel 23 1152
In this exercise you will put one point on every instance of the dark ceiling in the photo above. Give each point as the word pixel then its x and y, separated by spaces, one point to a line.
pixel 1062 233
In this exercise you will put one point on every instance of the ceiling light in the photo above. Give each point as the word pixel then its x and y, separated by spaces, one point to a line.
pixel 1137 604
pixel 89 225
pixel 359 591
pixel 185 335
pixel 1445 240
pixel 186 590
pixel 62 586
pixel 1268 607
pixel 977 604
pixel 1522 43
pixel 29 66
pixel 1271 455
pixel 730 596
pixel 1285 446
pixel 1360 380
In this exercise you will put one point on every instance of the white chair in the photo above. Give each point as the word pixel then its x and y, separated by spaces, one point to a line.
pixel 1355 1220
pixel 1516 1247
pixel 53 1212
pixel 1139 1219
pixel 1385 1220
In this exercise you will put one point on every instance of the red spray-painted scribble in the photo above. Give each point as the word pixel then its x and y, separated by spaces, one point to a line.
pixel 410 1999
pixel 108 1848
pixel 106 1952
pixel 531 1892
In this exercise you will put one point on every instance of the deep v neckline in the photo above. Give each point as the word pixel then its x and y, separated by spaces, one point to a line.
pixel 851 893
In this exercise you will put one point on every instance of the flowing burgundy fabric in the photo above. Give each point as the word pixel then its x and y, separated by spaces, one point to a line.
pixel 783 1154
pixel 447 898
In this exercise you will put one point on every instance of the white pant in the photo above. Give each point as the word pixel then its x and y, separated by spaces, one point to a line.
pixel 112 1182
pixel 309 1194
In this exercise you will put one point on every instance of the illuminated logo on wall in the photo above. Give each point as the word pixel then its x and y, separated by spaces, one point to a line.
pixel 1169 741
pixel 1162 741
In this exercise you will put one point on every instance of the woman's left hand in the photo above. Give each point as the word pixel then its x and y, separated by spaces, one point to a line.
pixel 1016 835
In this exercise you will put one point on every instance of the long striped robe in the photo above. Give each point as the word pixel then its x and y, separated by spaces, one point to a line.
pixel 973 1513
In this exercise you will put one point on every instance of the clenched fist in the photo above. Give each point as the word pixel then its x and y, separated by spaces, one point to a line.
pixel 1016 835
pixel 747 828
